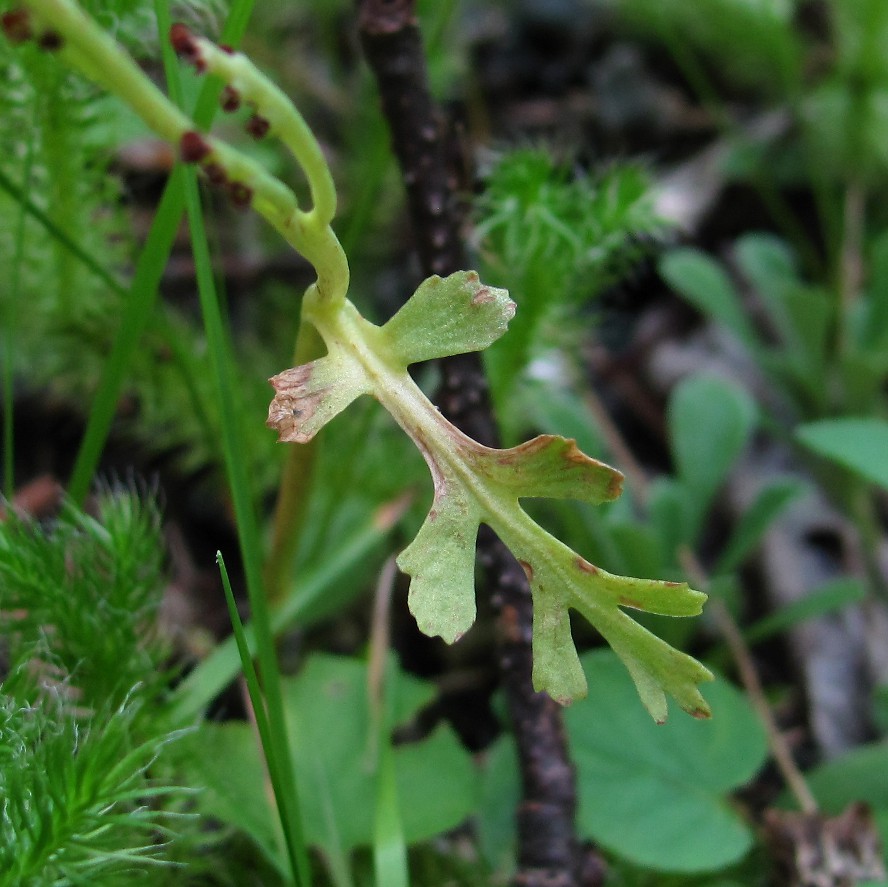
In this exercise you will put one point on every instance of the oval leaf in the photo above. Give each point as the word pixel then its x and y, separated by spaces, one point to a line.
pixel 658 796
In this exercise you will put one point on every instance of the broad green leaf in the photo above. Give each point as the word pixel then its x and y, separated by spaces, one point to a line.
pixel 334 757
pixel 754 522
pixel 660 796
pixel 450 315
pixel 474 484
pixel 859 444
pixel 704 283
pixel 331 726
pixel 710 421
pixel 225 763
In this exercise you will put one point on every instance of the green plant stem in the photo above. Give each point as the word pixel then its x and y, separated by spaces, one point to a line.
pixel 850 270
pixel 389 846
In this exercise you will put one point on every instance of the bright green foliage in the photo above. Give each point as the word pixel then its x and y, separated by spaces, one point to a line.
pixel 80 714
pixel 555 238
pixel 77 802
pixel 90 590
pixel 333 754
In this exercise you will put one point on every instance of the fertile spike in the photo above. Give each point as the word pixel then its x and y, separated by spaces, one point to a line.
pixel 193 147
pixel 17 25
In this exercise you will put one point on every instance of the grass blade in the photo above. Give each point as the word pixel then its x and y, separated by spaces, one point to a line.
pixel 291 830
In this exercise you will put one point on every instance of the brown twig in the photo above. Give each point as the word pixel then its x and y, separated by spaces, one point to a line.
pixel 548 853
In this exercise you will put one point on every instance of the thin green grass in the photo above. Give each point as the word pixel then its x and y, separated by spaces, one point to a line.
pixel 288 812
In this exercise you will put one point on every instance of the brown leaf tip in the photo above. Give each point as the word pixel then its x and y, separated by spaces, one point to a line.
pixel 17 25
pixel 293 405
pixel 701 714
pixel 193 147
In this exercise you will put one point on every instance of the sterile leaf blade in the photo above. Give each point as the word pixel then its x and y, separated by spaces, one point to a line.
pixel 553 467
pixel 441 564
pixel 446 316
pixel 309 396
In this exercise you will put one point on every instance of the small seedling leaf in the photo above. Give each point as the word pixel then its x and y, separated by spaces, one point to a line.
pixel 706 285
pixel 710 420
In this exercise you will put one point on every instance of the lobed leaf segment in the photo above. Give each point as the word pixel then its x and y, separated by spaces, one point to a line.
pixel 454 315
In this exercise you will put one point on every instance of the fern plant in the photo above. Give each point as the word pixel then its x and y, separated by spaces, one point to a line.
pixel 455 315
